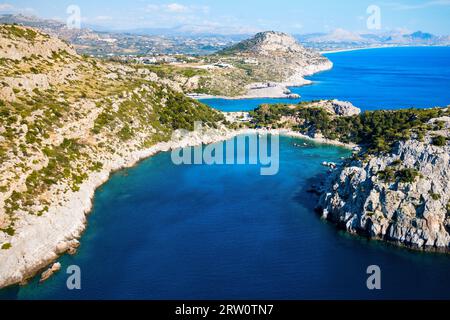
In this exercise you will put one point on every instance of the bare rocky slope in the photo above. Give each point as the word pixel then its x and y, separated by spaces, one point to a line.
pixel 403 196
pixel 67 122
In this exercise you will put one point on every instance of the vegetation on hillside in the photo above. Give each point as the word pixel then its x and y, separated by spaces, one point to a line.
pixel 16 32
pixel 377 130
pixel 53 136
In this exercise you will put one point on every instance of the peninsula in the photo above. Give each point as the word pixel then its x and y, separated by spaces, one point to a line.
pixel 261 67
pixel 395 187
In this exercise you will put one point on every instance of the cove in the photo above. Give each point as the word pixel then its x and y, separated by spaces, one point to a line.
pixel 386 78
pixel 161 231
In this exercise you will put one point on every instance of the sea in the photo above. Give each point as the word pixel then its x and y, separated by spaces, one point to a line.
pixel 166 231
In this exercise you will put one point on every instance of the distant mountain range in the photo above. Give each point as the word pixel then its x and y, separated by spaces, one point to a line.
pixel 136 42
pixel 188 40
pixel 341 38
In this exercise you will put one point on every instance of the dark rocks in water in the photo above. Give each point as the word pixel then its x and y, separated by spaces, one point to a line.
pixel 315 189
pixel 297 145
pixel 331 165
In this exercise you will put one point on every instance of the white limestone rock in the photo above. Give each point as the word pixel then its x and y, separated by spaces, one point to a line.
pixel 411 214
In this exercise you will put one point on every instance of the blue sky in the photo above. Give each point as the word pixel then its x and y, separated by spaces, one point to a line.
pixel 246 16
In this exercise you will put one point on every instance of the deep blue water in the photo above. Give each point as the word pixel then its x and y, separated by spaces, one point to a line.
pixel 160 231
pixel 388 78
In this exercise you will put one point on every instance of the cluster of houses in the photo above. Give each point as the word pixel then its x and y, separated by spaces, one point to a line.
pixel 153 59
pixel 173 59
pixel 251 61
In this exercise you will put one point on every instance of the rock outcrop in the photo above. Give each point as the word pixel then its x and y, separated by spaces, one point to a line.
pixel 337 107
pixel 403 197
pixel 50 272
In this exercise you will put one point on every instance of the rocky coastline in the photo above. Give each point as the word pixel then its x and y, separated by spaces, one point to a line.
pixel 395 187
pixel 402 197
pixel 58 232
pixel 41 242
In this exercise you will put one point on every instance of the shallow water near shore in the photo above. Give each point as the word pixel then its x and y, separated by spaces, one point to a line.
pixel 385 78
pixel 160 231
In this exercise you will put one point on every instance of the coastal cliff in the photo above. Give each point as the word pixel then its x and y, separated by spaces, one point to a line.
pixel 395 187
pixel 402 196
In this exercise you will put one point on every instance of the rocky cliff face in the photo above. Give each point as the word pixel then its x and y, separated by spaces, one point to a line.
pixel 403 197
pixel 337 107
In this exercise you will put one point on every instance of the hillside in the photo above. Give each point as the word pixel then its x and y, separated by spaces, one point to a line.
pixel 262 66
pixel 396 188
pixel 138 42
pixel 66 123
pixel 265 43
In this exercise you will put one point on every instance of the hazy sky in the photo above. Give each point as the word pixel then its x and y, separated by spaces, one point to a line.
pixel 246 16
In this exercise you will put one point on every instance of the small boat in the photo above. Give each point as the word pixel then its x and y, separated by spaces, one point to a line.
pixel 300 145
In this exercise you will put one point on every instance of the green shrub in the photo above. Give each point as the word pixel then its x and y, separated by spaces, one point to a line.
pixel 9 231
pixel 97 166
pixel 6 246
pixel 126 133
pixel 435 196
pixel 387 175
pixel 439 141
pixel 439 125
pixel 377 131
pixel 407 175
pixel 19 32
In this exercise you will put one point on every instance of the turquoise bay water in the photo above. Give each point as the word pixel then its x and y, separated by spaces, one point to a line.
pixel 160 231
pixel 388 78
